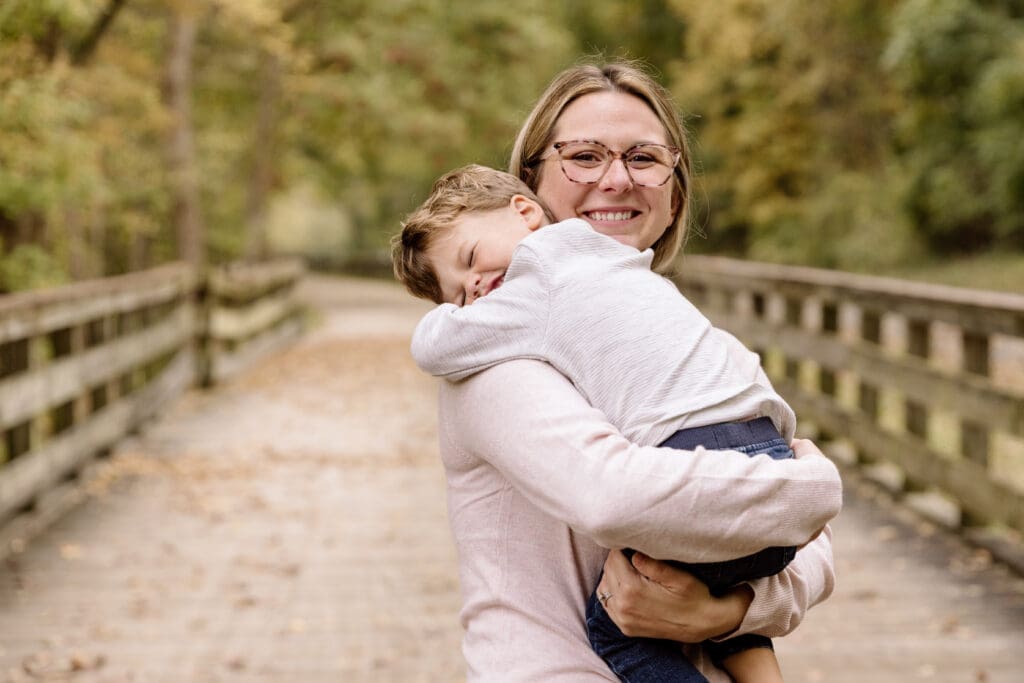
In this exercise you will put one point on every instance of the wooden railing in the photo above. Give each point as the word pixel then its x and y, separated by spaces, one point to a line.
pixel 926 382
pixel 250 310
pixel 81 366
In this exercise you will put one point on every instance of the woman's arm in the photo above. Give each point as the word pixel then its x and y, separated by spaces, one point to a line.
pixel 530 423
pixel 652 599
pixel 781 601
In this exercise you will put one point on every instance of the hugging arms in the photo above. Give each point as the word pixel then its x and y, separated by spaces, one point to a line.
pixel 539 481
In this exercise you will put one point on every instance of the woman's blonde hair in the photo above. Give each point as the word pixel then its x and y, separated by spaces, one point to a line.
pixel 620 76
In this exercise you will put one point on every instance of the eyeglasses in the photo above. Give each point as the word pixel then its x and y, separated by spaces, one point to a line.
pixel 586 162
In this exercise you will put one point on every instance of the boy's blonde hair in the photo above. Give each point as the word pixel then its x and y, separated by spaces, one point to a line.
pixel 472 188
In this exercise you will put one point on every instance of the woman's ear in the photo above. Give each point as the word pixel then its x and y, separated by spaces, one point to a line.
pixel 529 210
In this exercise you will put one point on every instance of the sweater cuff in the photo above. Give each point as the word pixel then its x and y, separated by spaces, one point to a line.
pixel 760 615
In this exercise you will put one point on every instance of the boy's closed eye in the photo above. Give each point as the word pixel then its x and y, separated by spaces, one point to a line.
pixel 464 297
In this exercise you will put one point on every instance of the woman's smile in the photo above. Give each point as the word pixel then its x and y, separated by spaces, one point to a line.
pixel 609 215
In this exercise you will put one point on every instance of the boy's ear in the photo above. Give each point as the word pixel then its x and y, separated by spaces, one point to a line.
pixel 529 210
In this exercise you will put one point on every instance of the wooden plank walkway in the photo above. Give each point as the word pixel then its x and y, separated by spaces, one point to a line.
pixel 290 526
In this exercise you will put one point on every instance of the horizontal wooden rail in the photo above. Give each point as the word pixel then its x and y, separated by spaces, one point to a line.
pixel 251 312
pixel 926 379
pixel 32 314
pixel 81 366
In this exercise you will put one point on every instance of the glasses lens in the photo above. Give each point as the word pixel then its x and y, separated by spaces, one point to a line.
pixel 586 162
pixel 650 164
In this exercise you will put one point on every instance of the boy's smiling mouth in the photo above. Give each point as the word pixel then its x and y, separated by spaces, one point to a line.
pixel 494 284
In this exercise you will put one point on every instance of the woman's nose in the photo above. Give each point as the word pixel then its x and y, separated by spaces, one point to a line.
pixel 617 177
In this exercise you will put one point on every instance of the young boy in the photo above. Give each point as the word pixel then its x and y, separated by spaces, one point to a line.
pixel 625 336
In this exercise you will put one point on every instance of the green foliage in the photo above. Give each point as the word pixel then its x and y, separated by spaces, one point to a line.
pixel 639 29
pixel 961 137
pixel 786 99
pixel 413 89
pixel 822 130
pixel 857 222
pixel 815 121
pixel 29 267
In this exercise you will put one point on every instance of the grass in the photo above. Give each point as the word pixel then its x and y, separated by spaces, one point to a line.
pixel 996 271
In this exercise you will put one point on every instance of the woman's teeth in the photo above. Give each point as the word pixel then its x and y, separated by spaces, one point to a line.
pixel 611 215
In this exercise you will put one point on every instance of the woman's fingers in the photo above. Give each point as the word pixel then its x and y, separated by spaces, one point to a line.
pixel 659 572
pixel 622 586
pixel 619 578
pixel 652 599
pixel 684 585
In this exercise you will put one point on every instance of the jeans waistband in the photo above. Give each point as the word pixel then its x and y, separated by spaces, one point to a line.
pixel 725 435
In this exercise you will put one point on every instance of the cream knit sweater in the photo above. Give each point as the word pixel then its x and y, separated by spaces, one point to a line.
pixel 540 483
pixel 544 474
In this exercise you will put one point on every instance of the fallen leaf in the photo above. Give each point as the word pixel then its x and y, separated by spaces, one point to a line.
pixel 71 551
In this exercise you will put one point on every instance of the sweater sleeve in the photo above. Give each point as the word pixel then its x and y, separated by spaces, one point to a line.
pixel 510 322
pixel 780 601
pixel 528 421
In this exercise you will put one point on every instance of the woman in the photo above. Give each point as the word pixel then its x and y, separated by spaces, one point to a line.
pixel 540 483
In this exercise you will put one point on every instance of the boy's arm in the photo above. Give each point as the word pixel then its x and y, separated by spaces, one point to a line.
pixel 508 323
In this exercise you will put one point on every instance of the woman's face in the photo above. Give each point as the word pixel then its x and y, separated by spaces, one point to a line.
pixel 614 206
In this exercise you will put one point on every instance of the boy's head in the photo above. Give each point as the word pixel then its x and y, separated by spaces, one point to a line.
pixel 457 245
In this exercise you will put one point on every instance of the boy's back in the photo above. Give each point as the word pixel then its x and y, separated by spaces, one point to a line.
pixel 632 344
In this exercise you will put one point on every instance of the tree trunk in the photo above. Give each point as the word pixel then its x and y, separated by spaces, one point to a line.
pixel 75 243
pixel 264 153
pixel 138 253
pixel 96 246
pixel 85 50
pixel 186 218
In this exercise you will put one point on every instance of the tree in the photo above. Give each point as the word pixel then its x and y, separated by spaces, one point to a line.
pixel 395 93
pixel 960 138
pixel 183 19
pixel 791 120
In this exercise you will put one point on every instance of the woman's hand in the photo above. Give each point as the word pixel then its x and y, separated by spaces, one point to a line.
pixel 651 599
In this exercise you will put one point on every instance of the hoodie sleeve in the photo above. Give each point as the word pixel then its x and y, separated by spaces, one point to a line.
pixel 509 323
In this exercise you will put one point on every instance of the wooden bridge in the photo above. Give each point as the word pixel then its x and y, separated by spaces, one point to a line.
pixel 287 522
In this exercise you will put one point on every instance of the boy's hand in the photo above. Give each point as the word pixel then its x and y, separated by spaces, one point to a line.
pixel 805 447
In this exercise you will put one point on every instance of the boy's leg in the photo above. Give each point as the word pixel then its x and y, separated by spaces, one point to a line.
pixel 754 438
pixel 722 651
pixel 637 660
pixel 647 660
pixel 757 665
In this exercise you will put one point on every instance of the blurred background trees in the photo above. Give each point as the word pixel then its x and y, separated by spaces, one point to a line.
pixel 854 134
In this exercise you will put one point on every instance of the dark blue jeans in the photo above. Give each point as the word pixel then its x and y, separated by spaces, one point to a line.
pixel 647 660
